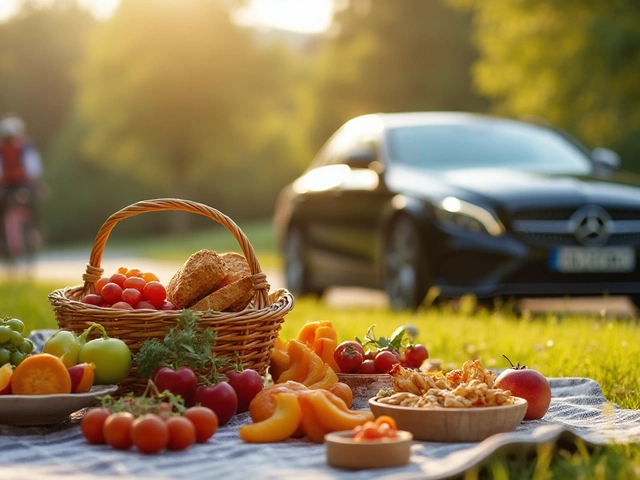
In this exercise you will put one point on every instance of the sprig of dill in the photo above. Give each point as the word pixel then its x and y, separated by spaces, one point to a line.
pixel 184 345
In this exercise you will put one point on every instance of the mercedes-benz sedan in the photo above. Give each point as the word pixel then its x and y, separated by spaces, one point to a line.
pixel 465 203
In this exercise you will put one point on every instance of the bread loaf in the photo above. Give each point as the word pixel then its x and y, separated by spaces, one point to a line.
pixel 201 274
pixel 231 298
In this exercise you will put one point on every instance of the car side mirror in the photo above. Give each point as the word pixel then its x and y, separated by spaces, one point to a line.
pixel 360 159
pixel 606 157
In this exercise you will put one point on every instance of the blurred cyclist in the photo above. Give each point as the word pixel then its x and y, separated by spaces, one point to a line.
pixel 20 171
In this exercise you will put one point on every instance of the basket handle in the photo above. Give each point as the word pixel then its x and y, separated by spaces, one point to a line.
pixel 94 272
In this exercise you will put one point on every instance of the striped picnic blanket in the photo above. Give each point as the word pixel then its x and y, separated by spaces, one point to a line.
pixel 578 409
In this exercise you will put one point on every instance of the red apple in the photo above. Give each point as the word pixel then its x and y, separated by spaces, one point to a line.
pixel 247 384
pixel 529 384
pixel 82 376
pixel 6 372
pixel 221 398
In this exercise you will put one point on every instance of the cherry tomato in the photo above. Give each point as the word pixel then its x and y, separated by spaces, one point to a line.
pixel 122 305
pixel 144 304
pixel 150 277
pixel 204 420
pixel 181 382
pixel 368 367
pixel 221 398
pixel 385 359
pixel 131 295
pixel 415 355
pixel 155 293
pixel 182 433
pixel 134 282
pixel 247 385
pixel 111 292
pixel 134 272
pixel 349 355
pixel 92 424
pixel 101 283
pixel 93 299
pixel 149 433
pixel 118 279
pixel 168 306
pixel 117 430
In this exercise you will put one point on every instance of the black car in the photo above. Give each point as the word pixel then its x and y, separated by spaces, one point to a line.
pixel 466 203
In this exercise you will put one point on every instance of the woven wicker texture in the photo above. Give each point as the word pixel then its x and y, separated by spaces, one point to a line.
pixel 251 332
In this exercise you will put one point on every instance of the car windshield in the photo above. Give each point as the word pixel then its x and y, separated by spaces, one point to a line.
pixel 512 146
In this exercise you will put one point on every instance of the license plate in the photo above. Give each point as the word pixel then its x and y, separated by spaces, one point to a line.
pixel 603 259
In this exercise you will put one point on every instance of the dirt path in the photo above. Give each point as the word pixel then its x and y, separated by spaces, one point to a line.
pixel 67 269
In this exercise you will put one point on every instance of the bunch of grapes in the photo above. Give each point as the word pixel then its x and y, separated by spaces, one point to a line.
pixel 14 348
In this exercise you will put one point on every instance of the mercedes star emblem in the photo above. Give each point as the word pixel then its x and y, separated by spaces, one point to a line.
pixel 591 225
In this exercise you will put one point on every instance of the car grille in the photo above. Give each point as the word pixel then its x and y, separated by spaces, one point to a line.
pixel 551 228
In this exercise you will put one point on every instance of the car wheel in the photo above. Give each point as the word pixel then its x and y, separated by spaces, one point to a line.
pixel 406 278
pixel 636 300
pixel 297 274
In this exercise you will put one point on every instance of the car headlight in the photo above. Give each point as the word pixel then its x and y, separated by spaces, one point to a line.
pixel 466 215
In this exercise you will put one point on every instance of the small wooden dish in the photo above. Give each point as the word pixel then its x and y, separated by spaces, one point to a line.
pixel 454 424
pixel 365 386
pixel 345 452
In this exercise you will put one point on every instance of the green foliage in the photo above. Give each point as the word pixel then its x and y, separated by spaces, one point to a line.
pixel 392 56
pixel 574 63
pixel 39 49
pixel 176 94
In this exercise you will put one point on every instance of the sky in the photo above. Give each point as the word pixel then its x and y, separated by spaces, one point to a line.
pixel 297 15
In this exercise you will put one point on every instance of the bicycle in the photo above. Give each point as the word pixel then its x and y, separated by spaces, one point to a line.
pixel 21 237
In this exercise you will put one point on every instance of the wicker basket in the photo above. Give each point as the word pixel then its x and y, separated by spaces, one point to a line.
pixel 251 332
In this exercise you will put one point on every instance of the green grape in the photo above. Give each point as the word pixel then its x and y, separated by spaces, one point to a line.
pixel 16 358
pixel 15 325
pixel 5 334
pixel 16 338
pixel 26 346
pixel 5 355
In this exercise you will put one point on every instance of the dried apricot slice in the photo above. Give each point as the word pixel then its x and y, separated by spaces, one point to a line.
pixel 41 374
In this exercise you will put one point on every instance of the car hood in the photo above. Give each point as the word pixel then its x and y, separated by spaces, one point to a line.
pixel 516 190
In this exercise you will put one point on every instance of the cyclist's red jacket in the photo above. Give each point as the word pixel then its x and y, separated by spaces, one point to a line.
pixel 19 162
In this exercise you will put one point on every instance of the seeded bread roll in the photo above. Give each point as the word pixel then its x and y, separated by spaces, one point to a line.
pixel 202 273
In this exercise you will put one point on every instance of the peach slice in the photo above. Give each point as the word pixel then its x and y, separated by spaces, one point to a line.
pixel 82 376
pixel 6 372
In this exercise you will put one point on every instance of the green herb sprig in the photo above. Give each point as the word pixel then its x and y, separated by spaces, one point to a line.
pixel 184 345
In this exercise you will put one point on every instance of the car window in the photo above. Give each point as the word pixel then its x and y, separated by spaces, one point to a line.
pixel 353 137
pixel 502 145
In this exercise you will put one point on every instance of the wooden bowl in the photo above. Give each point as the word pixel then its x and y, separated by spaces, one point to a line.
pixel 454 424
pixel 365 386
pixel 345 452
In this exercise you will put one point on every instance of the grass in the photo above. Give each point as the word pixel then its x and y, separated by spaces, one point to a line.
pixel 599 347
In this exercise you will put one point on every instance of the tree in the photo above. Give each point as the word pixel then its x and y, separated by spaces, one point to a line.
pixel 39 50
pixel 176 94
pixel 382 55
pixel 574 63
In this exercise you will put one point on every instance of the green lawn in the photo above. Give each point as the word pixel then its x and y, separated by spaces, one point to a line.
pixel 604 349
